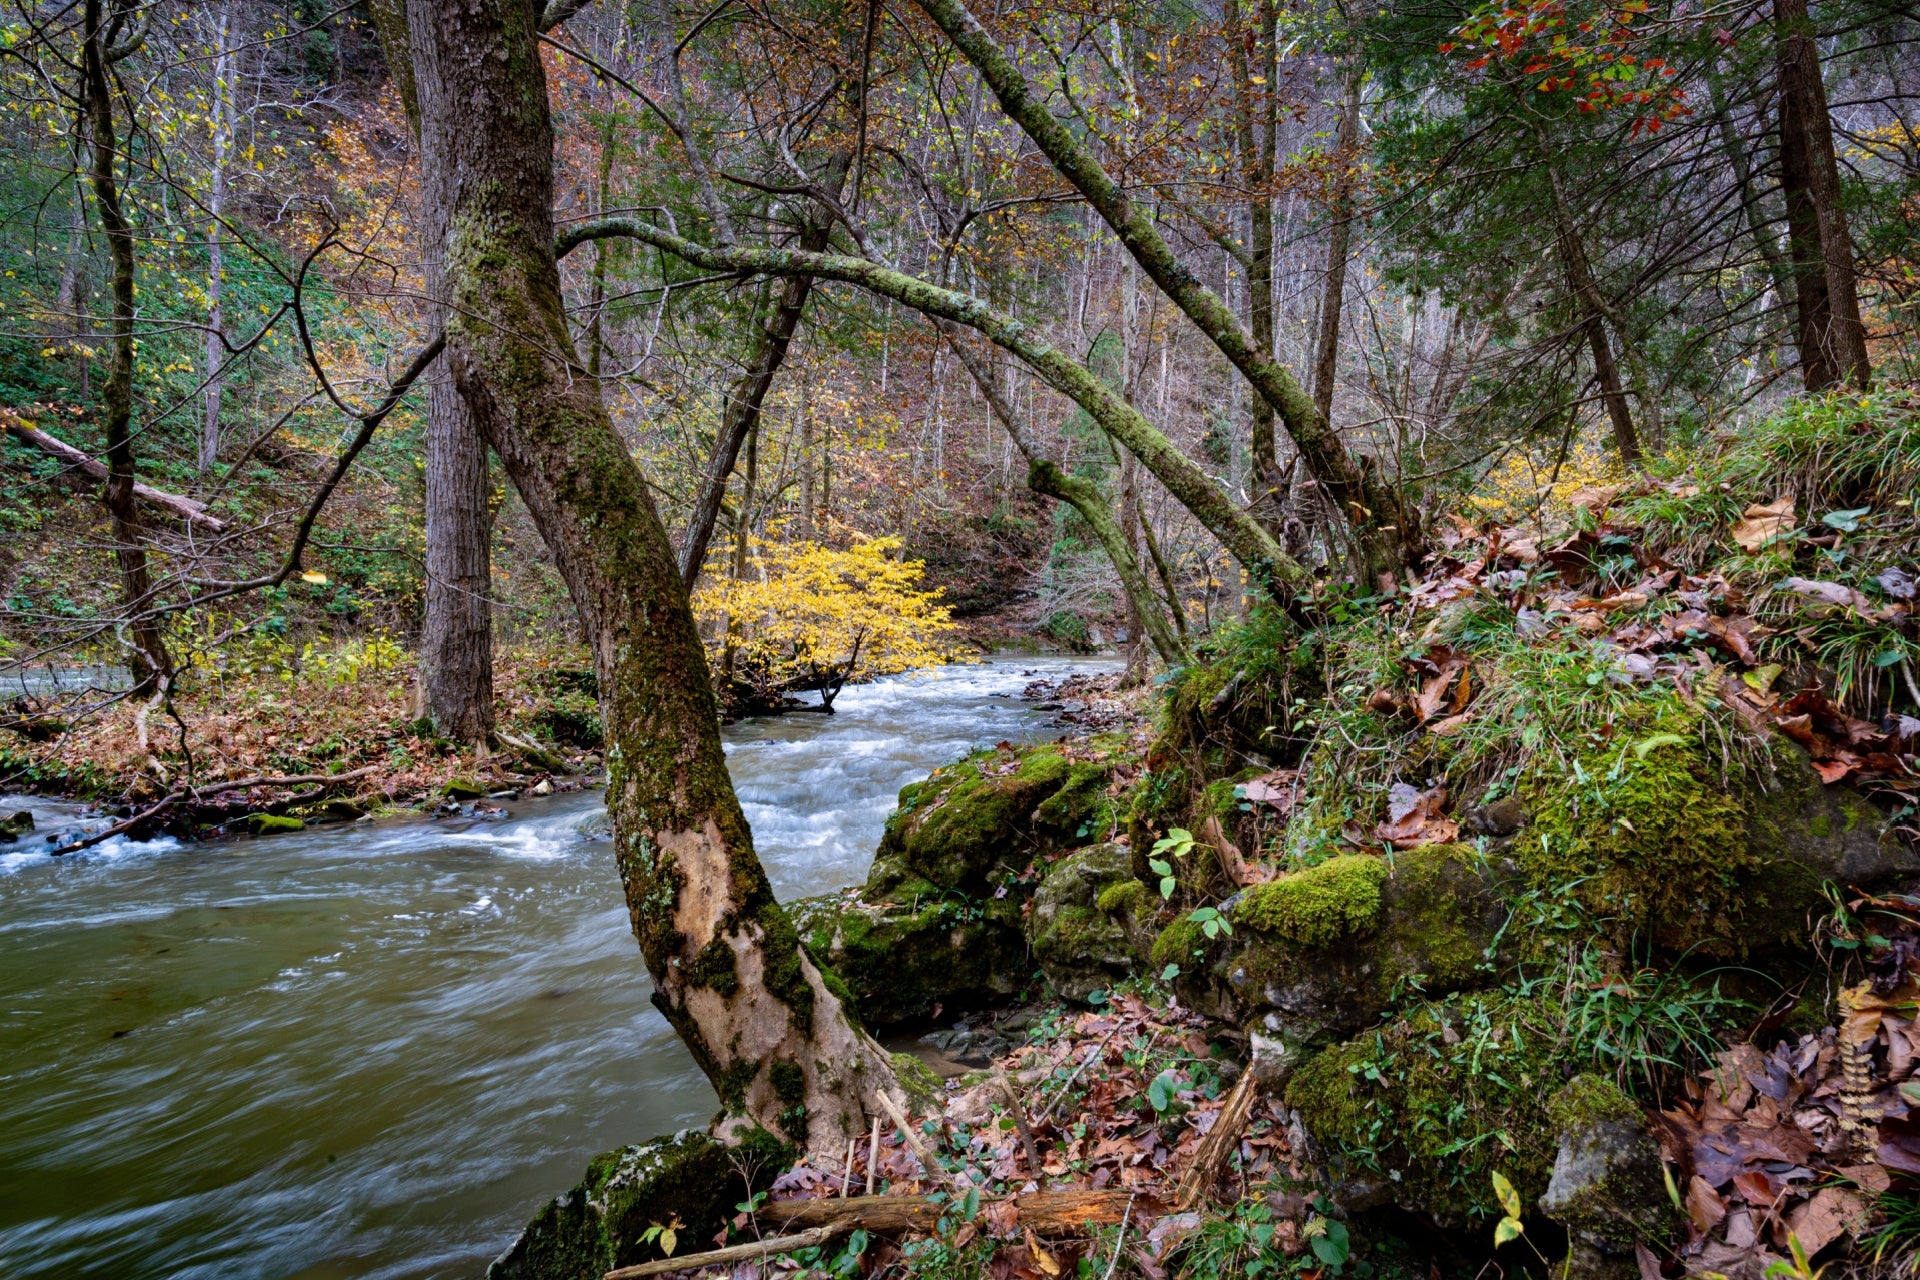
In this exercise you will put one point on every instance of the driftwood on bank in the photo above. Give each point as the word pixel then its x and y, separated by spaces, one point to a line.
pixel 1068 1212
pixel 733 1253
pixel 183 508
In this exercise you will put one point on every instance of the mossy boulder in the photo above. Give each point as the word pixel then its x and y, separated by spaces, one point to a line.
pixel 15 825
pixel 1669 850
pixel 1425 1109
pixel 1606 1187
pixel 971 826
pixel 463 788
pixel 901 958
pixel 1321 952
pixel 1079 945
pixel 271 824
pixel 598 1225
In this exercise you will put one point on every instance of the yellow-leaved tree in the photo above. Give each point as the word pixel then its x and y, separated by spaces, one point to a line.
pixel 805 617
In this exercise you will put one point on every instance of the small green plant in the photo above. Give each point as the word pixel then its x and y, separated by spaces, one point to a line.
pixel 1211 922
pixel 1177 843
pixel 666 1236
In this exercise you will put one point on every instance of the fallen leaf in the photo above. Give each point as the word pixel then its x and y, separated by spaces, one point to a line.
pixel 1762 524
pixel 1704 1205
pixel 1414 818
pixel 1832 1213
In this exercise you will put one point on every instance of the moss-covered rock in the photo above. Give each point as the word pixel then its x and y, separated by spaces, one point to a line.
pixel 900 958
pixel 1079 945
pixel 969 826
pixel 1318 906
pixel 1319 954
pixel 598 1225
pixel 1606 1186
pixel 271 824
pixel 1667 850
pixel 1432 1105
pixel 463 788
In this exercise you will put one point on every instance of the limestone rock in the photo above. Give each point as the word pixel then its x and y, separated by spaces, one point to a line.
pixel 1315 956
pixel 598 1225
pixel 1080 948
pixel 899 959
pixel 1606 1185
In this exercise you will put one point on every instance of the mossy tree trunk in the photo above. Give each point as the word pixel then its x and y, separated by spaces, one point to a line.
pixel 1243 536
pixel 780 1046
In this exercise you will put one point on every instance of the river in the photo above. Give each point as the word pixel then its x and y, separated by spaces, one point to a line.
pixel 373 1050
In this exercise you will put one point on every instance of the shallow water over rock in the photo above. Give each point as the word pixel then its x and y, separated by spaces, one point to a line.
pixel 372 1050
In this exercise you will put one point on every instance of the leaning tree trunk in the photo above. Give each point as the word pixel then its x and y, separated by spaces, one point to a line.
pixel 728 968
pixel 148 654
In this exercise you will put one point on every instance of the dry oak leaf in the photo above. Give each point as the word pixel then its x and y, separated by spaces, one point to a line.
pixel 1761 524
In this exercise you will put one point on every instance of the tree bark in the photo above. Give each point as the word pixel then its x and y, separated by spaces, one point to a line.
pixel 456 637
pixel 147 655
pixel 1191 486
pixel 1257 127
pixel 1579 273
pixel 222 125
pixel 729 971
pixel 1384 524
pixel 744 400
pixel 1832 339
pixel 456 629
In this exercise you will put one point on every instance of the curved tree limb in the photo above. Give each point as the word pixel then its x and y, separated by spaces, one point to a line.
pixel 1242 535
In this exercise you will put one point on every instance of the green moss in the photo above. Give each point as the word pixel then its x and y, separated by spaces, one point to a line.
pixel 969 822
pixel 267 824
pixel 1440 1100
pixel 1179 943
pixel 1079 810
pixel 714 968
pixel 463 789
pixel 598 1225
pixel 789 1082
pixel 1642 824
pixel 1589 1099
pixel 918 1079
pixel 899 959
pixel 1320 905
pixel 1125 897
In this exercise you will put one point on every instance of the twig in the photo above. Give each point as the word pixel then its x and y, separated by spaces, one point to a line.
pixel 846 1176
pixel 1096 1051
pixel 1020 1120
pixel 873 1154
pixel 907 1131
pixel 1121 1242
pixel 734 1253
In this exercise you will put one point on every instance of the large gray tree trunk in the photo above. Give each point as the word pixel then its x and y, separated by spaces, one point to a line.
pixel 729 972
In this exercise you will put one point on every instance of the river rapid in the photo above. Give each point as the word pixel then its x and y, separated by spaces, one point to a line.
pixel 373 1050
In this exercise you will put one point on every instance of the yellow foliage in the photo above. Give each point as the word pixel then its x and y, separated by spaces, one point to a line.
pixel 1528 485
pixel 804 612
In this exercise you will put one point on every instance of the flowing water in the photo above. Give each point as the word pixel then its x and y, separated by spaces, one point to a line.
pixel 373 1050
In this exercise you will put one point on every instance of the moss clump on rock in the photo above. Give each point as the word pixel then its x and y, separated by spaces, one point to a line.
pixel 598 1225
pixel 271 824
pixel 1435 1103
pixel 1641 822
pixel 899 959
pixel 1320 905
pixel 969 821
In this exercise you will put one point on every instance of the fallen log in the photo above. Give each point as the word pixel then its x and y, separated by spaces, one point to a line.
pixel 184 508
pixel 1068 1212
pixel 733 1253
pixel 1205 1166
